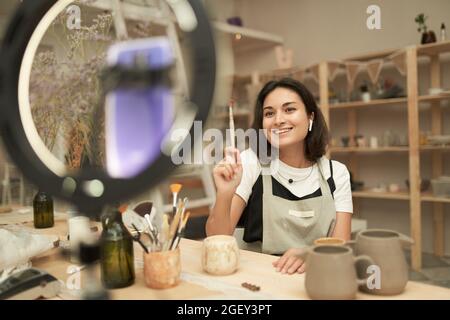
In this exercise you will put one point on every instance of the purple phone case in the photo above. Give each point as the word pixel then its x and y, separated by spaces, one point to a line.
pixel 137 119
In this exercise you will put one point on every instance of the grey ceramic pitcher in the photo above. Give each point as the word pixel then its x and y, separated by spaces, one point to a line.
pixel 331 272
pixel 385 247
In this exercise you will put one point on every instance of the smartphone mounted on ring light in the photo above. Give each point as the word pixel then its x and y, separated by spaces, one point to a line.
pixel 139 104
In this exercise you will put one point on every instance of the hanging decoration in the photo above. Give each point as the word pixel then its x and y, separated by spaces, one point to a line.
pixel 333 67
pixel 373 69
pixel 399 60
pixel 352 69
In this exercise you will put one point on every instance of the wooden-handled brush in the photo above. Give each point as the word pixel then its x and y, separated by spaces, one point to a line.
pixel 175 189
pixel 174 225
pixel 231 123
pixel 183 223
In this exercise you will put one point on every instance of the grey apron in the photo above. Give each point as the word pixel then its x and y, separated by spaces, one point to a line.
pixel 295 223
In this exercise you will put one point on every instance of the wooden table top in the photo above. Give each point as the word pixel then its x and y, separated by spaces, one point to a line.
pixel 255 268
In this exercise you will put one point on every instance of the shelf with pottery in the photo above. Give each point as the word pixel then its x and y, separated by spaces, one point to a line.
pixel 245 39
pixel 433 98
pixel 429 197
pixel 359 104
pixel 406 61
pixel 368 149
pixel 433 49
pixel 401 195
pixel 444 148
pixel 381 195
pixel 379 102
pixel 436 55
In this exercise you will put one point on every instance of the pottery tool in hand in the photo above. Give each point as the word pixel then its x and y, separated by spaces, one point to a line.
pixel 175 189
pixel 144 210
pixel 137 238
pixel 250 286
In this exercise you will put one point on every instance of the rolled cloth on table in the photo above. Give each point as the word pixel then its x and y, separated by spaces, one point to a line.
pixel 18 245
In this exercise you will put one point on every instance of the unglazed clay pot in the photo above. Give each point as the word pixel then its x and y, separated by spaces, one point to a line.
pixel 385 247
pixel 331 272
pixel 220 255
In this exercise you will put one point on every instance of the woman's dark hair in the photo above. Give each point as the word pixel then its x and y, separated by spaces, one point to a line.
pixel 316 141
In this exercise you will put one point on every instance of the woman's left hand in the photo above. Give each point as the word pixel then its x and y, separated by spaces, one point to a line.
pixel 290 262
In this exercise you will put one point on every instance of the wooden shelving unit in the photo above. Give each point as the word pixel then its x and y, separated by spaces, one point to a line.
pixel 445 148
pixel 433 54
pixel 381 195
pixel 367 149
pixel 434 98
pixel 428 197
pixel 433 49
pixel 361 104
pixel 401 195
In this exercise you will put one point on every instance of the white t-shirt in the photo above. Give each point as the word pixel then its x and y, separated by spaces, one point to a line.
pixel 306 180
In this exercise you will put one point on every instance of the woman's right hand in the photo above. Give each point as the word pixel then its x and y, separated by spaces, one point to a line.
pixel 228 172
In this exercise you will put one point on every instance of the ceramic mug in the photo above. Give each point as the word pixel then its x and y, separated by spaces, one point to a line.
pixel 329 241
pixel 385 247
pixel 79 230
pixel 331 272
pixel 220 255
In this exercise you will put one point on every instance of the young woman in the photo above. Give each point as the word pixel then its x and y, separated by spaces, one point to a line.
pixel 305 197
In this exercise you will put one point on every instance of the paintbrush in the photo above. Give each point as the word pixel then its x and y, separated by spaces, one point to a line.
pixel 174 225
pixel 231 119
pixel 144 208
pixel 164 231
pixel 138 238
pixel 175 189
pixel 183 223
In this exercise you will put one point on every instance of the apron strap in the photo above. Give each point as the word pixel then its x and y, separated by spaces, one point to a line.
pixel 267 180
pixel 324 186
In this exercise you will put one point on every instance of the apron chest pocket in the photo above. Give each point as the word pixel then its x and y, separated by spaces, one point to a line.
pixel 302 218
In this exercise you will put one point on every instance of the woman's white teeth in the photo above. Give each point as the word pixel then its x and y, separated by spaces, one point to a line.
pixel 279 131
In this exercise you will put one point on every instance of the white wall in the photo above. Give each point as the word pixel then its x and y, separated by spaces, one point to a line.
pixel 320 30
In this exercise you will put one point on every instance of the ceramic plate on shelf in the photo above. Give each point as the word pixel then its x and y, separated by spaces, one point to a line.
pixel 439 140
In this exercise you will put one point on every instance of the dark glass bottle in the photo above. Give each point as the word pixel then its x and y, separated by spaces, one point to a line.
pixel 116 252
pixel 43 215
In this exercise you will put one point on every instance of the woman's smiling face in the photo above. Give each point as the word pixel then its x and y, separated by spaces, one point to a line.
pixel 284 118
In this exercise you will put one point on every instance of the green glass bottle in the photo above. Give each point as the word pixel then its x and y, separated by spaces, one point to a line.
pixel 43 215
pixel 116 252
